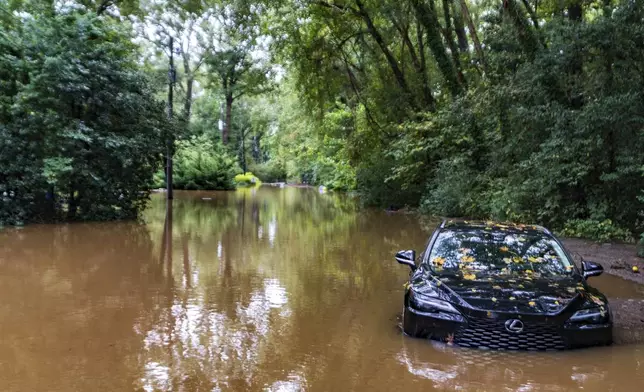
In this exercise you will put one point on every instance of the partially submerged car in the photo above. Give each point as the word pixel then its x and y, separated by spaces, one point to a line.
pixel 502 287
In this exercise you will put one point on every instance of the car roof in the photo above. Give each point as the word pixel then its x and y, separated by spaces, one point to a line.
pixel 463 224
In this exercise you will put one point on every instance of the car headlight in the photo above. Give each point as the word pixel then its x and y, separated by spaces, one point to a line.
pixel 427 304
pixel 598 315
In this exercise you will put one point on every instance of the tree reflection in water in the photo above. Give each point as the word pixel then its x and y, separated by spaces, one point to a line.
pixel 290 290
pixel 268 289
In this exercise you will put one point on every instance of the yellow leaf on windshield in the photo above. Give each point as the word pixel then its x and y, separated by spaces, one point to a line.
pixel 532 303
pixel 467 259
pixel 469 276
pixel 517 259
pixel 438 260
pixel 504 249
pixel 496 287
pixel 507 260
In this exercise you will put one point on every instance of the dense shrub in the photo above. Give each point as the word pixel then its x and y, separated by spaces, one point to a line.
pixel 201 164
pixel 547 142
pixel 80 130
pixel 272 171
pixel 595 230
pixel 376 188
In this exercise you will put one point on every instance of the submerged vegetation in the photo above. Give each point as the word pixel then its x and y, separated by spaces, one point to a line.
pixel 511 110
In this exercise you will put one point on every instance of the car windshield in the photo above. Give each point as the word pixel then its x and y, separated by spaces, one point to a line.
pixel 479 252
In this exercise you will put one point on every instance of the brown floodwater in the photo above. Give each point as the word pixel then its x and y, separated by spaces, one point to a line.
pixel 259 289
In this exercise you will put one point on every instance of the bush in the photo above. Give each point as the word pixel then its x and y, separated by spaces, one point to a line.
pixel 640 246
pixel 247 179
pixel 199 164
pixel 595 230
pixel 271 171
pixel 454 193
pixel 79 122
pixel 376 187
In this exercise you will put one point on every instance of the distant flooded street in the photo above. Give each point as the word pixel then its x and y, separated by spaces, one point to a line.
pixel 259 289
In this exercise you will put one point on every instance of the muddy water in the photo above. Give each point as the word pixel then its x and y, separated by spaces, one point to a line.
pixel 269 289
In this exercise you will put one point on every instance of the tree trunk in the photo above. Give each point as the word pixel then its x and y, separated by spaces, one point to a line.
pixel 532 13
pixel 229 116
pixel 72 205
pixel 575 12
pixel 190 81
pixel 243 151
pixel 418 60
pixel 393 64
pixel 449 37
pixel 434 39
pixel 475 38
pixel 257 150
pixel 459 28
pixel 187 105
pixel 526 35
pixel 427 91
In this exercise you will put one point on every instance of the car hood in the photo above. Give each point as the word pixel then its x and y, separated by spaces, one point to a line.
pixel 528 296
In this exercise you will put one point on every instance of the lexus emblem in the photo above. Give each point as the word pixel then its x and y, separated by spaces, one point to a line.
pixel 514 326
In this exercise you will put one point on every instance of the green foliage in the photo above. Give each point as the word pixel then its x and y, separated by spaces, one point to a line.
pixel 595 230
pixel 454 192
pixel 201 164
pixel 516 112
pixel 640 246
pixel 551 145
pixel 311 151
pixel 80 129
pixel 247 179
pixel 375 188
pixel 272 171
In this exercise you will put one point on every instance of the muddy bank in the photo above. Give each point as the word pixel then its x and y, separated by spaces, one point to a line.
pixel 618 260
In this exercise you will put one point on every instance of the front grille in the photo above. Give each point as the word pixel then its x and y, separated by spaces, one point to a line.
pixel 486 333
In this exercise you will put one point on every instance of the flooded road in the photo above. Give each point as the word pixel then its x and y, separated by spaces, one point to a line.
pixel 259 289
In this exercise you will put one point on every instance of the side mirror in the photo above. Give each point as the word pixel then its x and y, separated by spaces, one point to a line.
pixel 588 268
pixel 407 257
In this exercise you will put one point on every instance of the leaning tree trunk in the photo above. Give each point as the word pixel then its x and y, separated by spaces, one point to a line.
pixel 449 37
pixel 470 26
pixel 391 60
pixel 527 37
pixel 229 116
pixel 427 91
pixel 459 28
pixel 435 41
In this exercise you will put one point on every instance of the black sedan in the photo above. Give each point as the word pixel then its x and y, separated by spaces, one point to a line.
pixel 502 287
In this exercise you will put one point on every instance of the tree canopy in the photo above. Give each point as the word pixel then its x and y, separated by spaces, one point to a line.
pixel 513 110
